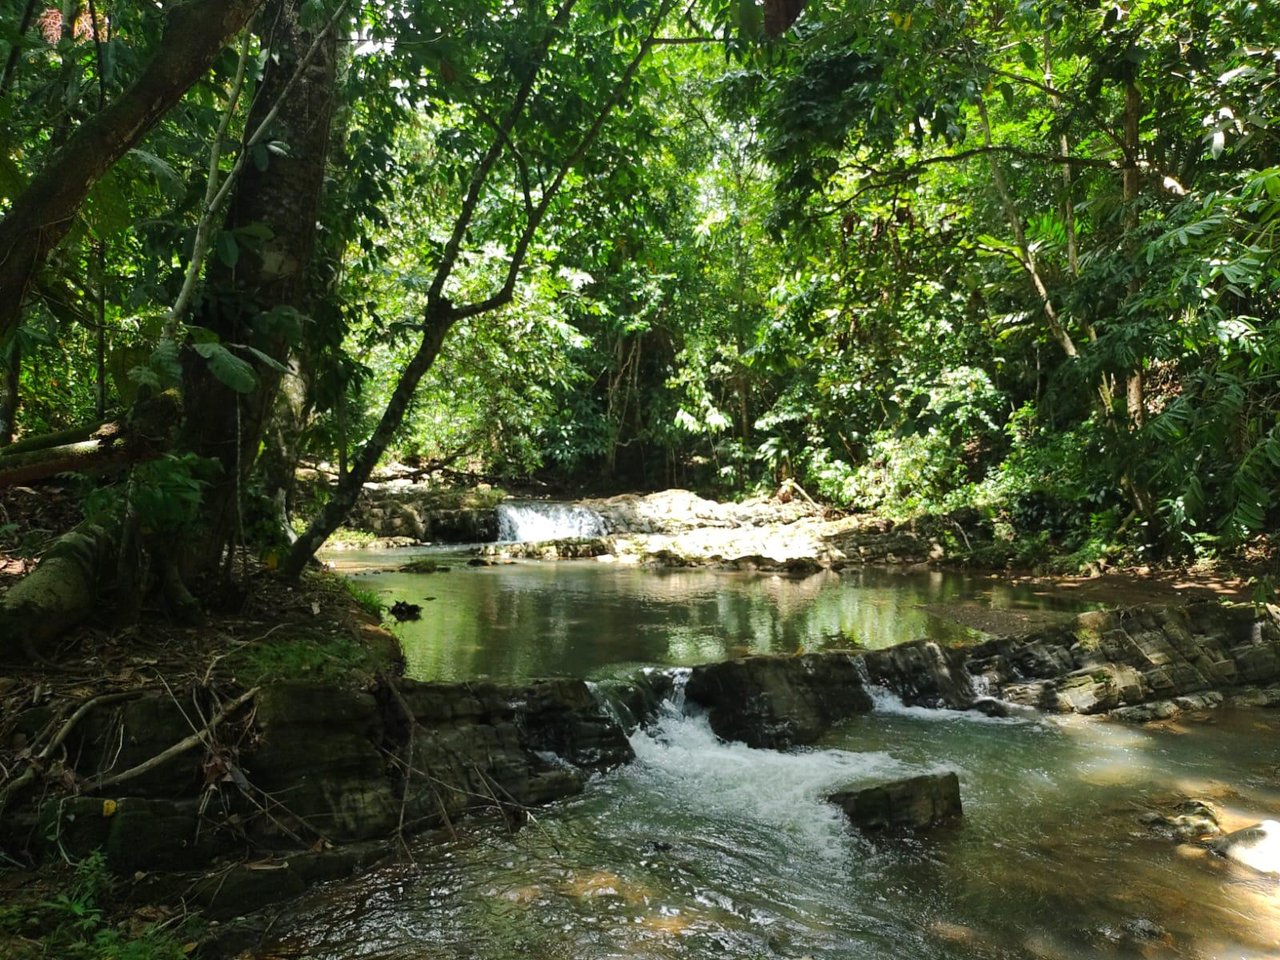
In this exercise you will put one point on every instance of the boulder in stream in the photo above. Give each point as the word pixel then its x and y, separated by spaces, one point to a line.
pixel 779 701
pixel 1256 847
pixel 908 804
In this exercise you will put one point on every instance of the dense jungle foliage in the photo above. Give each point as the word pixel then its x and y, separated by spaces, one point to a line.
pixel 1017 255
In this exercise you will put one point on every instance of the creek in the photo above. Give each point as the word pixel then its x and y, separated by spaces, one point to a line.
pixel 588 619
pixel 702 849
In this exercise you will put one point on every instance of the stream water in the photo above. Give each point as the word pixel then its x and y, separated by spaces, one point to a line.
pixel 589 619
pixel 703 849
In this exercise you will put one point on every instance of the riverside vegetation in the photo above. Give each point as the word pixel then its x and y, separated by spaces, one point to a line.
pixel 998 279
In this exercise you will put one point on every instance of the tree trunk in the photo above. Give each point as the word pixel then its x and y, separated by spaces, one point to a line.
pixel 145 435
pixel 349 486
pixel 244 305
pixel 58 594
pixel 40 217
pixel 1134 392
pixel 12 392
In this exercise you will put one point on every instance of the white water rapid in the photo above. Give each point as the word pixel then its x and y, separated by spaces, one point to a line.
pixel 530 520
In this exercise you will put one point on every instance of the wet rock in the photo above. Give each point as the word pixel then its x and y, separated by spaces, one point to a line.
pixel 779 701
pixel 565 548
pixel 403 610
pixel 1186 821
pixel 1256 847
pixel 991 707
pixel 1138 663
pixel 914 803
pixel 424 565
pixel 637 700
pixel 923 673
pixel 134 833
pixel 492 746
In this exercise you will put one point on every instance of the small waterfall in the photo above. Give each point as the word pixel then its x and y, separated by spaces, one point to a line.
pixel 530 520
pixel 883 700
pixel 640 699
pixel 983 707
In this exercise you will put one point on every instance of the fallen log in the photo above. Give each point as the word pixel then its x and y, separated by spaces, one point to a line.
pixel 58 594
pixel 146 434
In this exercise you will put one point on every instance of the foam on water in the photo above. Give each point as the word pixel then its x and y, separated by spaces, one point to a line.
pixel 533 521
pixel 886 701
pixel 679 758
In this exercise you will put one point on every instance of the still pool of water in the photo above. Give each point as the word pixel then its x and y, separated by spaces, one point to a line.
pixel 701 849
pixel 589 619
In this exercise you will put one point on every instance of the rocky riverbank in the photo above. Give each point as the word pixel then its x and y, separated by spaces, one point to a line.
pixel 1137 664
pixel 229 804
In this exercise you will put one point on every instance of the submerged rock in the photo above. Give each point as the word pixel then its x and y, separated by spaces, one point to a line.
pixel 903 804
pixel 1256 847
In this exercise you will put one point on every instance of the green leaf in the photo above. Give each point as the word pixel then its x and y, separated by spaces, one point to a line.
pixel 264 358
pixel 107 210
pixel 228 249
pixel 1028 54
pixel 235 373
pixel 750 19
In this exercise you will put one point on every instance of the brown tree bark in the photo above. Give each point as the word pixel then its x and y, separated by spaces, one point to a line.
pixel 239 302
pixel 40 217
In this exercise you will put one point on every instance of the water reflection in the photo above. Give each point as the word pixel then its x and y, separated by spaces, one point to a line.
pixel 586 618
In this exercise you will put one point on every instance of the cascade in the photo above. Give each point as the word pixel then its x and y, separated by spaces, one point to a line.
pixel 642 698
pixel 522 521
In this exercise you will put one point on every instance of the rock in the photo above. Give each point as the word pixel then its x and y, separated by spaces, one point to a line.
pixel 424 565
pixel 779 701
pixel 914 803
pixel 1139 664
pixel 402 611
pixel 1188 820
pixel 1256 847
pixel 491 746
pixel 566 548
pixel 991 707
pixel 923 673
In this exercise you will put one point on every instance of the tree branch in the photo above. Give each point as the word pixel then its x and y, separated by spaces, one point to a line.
pixel 480 176
pixel 507 291
pixel 42 214
pixel 179 748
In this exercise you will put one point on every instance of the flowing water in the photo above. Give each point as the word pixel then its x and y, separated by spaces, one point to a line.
pixel 701 849
pixel 526 520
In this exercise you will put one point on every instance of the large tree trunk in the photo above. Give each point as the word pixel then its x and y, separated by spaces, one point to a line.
pixel 244 304
pixel 40 217
pixel 12 394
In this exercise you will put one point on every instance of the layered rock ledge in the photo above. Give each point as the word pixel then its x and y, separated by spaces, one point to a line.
pixel 1137 663
pixel 309 783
